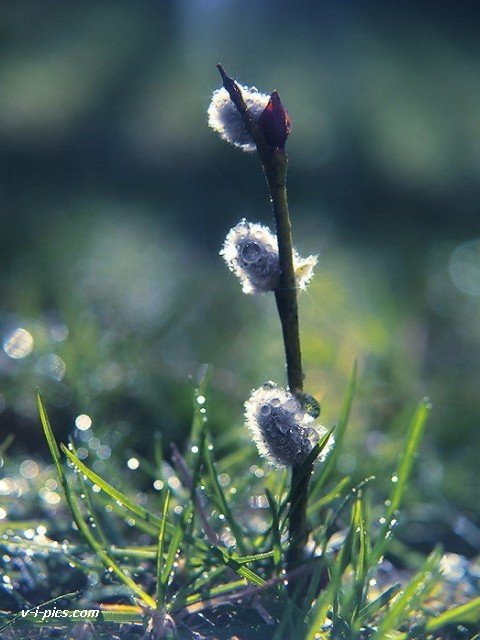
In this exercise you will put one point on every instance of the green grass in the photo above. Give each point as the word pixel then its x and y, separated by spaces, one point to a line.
pixel 215 562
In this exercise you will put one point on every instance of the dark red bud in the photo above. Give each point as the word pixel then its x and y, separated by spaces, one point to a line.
pixel 275 123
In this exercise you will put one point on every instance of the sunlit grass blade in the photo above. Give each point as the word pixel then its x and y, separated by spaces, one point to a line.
pixel 255 557
pixel 198 422
pixel 401 477
pixel 211 597
pixel 115 494
pixel 161 543
pixel 109 563
pixel 119 509
pixel 197 587
pixel 329 463
pixel 121 614
pixel 174 546
pixel 237 566
pixel 122 500
pixel 359 589
pixel 373 607
pixel 468 613
pixel 52 445
pixel 88 504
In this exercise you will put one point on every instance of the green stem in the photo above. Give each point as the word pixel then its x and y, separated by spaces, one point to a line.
pixel 274 162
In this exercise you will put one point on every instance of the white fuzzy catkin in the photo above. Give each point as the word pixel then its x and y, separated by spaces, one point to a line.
pixel 251 252
pixel 224 117
pixel 281 428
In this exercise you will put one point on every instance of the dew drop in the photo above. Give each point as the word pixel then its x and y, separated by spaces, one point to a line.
pixel 265 409
pixel 291 405
pixel 18 344
pixel 83 422
pixel 133 463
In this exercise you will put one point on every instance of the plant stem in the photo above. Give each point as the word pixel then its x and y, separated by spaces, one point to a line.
pixel 274 162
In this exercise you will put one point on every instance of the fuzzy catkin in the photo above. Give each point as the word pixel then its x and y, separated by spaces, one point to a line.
pixel 281 428
pixel 251 253
pixel 224 118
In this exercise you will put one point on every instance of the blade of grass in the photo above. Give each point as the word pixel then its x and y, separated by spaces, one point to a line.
pixel 115 494
pixel 313 588
pixel 468 613
pixel 88 504
pixel 329 497
pixel 77 516
pixel 237 566
pixel 121 614
pixel 373 607
pixel 219 493
pixel 333 515
pixel 122 511
pixel 122 500
pixel 402 475
pixel 161 587
pixel 196 586
pixel 410 596
pixel 196 598
pixel 275 530
pixel 175 542
pixel 328 598
pixel 6 443
pixel 360 582
pixel 196 431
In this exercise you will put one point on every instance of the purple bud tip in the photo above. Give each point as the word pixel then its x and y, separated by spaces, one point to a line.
pixel 275 123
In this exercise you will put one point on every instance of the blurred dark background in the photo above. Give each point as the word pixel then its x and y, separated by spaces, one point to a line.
pixel 115 198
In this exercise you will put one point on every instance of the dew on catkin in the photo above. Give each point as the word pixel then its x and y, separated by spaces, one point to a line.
pixel 251 253
pixel 282 430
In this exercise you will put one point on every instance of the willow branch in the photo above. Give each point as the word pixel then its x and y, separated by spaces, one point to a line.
pixel 275 161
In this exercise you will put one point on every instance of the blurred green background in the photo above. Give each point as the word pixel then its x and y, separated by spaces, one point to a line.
pixel 115 199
